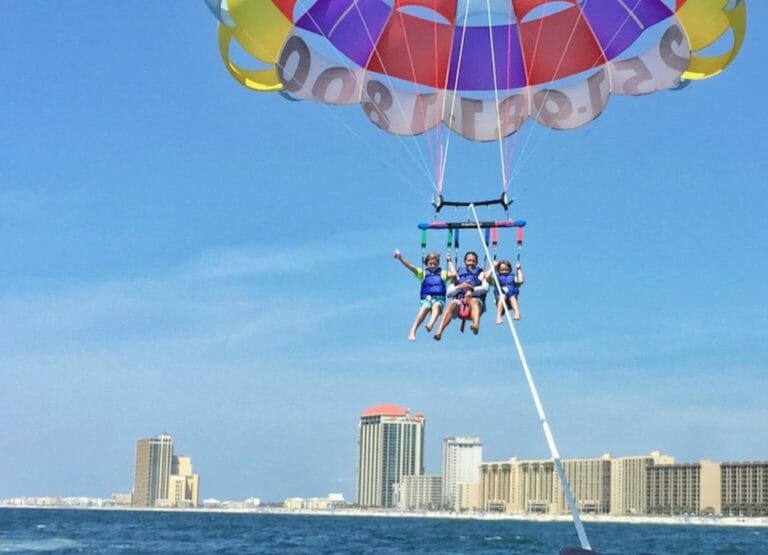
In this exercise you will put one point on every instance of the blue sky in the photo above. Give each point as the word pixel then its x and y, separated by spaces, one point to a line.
pixel 181 255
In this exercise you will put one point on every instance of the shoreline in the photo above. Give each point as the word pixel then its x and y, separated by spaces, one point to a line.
pixel 682 520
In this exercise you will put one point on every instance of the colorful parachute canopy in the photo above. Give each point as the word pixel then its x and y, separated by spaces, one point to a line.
pixel 481 67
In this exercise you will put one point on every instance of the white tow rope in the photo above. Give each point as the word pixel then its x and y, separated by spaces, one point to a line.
pixel 537 402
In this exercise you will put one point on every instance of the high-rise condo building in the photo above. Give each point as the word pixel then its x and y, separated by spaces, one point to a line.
pixel 390 446
pixel 690 488
pixel 744 488
pixel 162 479
pixel 154 457
pixel 629 477
pixel 462 457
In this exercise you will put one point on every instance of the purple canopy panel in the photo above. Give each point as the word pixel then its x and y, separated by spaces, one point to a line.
pixel 476 71
pixel 618 23
pixel 351 26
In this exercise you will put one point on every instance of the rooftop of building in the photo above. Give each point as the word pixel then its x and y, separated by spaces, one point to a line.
pixel 388 409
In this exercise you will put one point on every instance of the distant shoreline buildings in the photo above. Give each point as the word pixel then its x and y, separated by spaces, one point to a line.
pixel 162 479
pixel 391 475
pixel 391 480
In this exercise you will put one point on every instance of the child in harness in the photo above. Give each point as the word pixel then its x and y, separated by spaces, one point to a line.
pixel 433 289
pixel 469 290
pixel 509 282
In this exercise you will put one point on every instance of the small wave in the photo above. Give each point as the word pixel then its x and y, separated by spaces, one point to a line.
pixel 493 538
pixel 40 546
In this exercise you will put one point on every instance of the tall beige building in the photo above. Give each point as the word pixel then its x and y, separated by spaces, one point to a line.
pixel 154 457
pixel 532 486
pixel 693 488
pixel 590 481
pixel 162 479
pixel 535 487
pixel 646 484
pixel 390 446
pixel 744 488
pixel 629 477
pixel 498 486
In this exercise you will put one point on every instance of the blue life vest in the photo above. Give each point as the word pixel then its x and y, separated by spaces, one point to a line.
pixel 432 284
pixel 508 285
pixel 473 277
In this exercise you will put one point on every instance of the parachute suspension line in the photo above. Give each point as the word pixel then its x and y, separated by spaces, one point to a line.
pixel 434 145
pixel 328 109
pixel 539 407
pixel 500 134
pixel 455 89
pixel 543 101
pixel 509 151
pixel 416 154
pixel 439 171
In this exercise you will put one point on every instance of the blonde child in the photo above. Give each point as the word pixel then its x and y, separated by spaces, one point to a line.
pixel 432 289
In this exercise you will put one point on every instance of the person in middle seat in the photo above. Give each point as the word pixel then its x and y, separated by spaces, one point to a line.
pixel 469 290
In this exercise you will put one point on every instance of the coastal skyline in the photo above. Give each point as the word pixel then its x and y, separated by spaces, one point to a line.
pixel 178 253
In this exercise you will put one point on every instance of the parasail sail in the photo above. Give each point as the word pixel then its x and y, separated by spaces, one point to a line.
pixel 482 68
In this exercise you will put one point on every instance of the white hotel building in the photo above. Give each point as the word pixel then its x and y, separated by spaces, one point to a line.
pixel 462 457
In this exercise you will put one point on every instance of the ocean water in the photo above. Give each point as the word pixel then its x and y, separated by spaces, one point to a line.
pixel 101 531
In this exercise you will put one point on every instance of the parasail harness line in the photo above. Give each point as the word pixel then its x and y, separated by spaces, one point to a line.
pixel 537 401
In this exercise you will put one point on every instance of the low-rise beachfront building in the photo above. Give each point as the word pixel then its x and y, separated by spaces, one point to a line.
pixel 183 484
pixel 744 488
pixel 333 501
pixel 294 503
pixel 470 495
pixel 419 493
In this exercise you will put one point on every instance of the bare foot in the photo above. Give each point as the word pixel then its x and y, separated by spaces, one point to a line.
pixel 428 327
pixel 499 321
pixel 516 317
pixel 437 337
pixel 411 337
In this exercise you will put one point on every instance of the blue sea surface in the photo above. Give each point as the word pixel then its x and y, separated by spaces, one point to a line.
pixel 124 531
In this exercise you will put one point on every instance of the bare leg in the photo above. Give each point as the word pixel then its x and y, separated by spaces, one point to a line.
pixel 420 315
pixel 474 312
pixel 436 309
pixel 499 311
pixel 450 310
pixel 515 307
